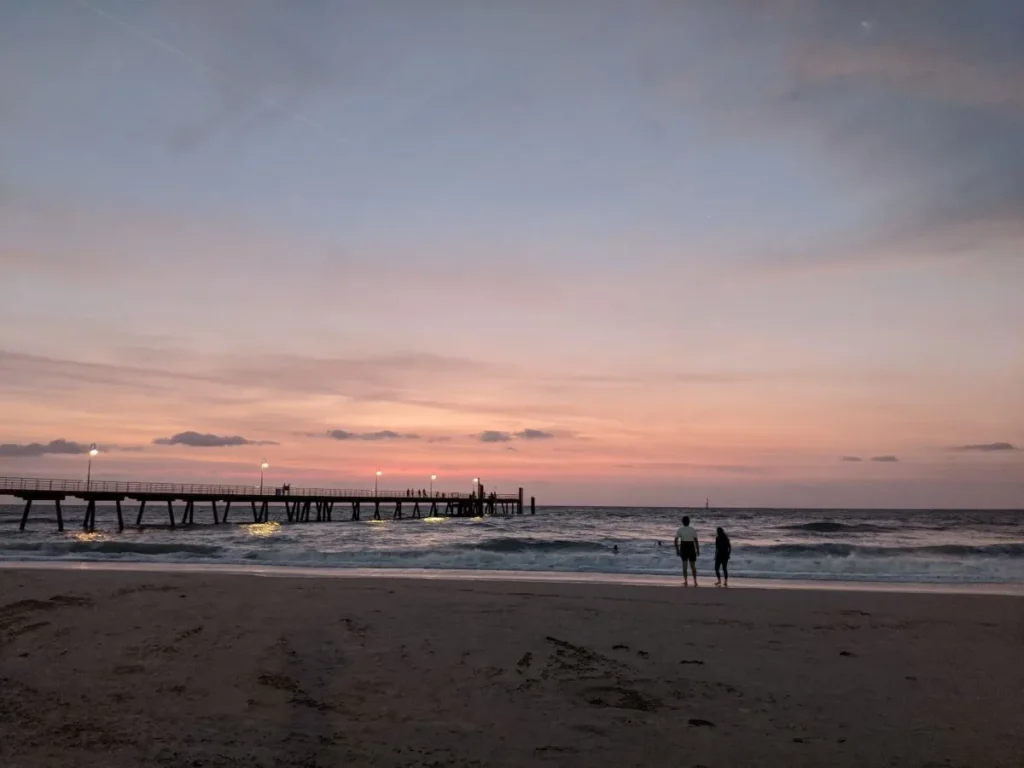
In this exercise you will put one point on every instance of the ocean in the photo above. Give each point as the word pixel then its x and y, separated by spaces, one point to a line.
pixel 900 546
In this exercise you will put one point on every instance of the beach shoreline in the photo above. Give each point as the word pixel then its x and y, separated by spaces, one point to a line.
pixel 125 667
pixel 506 576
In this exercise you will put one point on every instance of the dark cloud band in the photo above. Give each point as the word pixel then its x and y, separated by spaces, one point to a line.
pixel 206 440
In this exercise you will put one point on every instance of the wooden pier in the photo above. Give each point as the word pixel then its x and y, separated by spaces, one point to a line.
pixel 300 505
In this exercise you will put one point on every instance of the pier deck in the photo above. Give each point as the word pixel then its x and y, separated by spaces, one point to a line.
pixel 300 505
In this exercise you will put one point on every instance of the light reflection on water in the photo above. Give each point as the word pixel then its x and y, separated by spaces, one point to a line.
pixel 263 530
pixel 90 536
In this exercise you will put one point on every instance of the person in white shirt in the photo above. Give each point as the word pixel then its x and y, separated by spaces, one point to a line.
pixel 688 549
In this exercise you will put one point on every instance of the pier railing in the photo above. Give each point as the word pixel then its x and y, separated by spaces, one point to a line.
pixel 129 488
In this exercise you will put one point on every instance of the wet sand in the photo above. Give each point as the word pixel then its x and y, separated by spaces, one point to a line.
pixel 137 669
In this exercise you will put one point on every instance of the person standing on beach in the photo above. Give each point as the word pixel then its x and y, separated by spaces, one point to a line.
pixel 688 549
pixel 723 549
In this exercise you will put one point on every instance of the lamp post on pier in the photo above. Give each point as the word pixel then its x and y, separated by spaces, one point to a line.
pixel 263 466
pixel 88 473
pixel 375 479
pixel 432 479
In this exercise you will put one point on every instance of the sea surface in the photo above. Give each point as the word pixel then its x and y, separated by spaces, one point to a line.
pixel 900 546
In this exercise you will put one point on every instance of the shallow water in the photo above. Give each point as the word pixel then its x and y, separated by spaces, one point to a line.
pixel 896 546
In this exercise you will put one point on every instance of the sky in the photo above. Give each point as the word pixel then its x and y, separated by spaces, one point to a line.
pixel 766 252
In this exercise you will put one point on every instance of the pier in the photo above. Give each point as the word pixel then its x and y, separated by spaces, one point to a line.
pixel 300 505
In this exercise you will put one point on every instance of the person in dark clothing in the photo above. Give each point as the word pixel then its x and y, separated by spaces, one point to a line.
pixel 688 548
pixel 723 549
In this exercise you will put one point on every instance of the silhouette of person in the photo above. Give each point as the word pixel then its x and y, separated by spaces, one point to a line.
pixel 723 549
pixel 688 549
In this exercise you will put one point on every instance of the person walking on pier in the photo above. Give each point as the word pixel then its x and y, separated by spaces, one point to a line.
pixel 723 549
pixel 688 549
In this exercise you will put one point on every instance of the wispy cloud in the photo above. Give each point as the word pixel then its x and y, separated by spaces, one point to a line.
pixel 925 109
pixel 60 447
pixel 498 436
pixel 921 70
pixel 987 447
pixel 534 434
pixel 365 378
pixel 686 466
pixel 206 440
pixel 234 72
pixel 384 434
pixel 885 459
pixel 851 458
pixel 54 447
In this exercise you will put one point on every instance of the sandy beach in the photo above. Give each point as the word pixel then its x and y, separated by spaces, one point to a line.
pixel 137 669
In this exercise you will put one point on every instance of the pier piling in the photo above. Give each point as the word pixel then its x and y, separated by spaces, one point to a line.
pixel 24 515
pixel 89 523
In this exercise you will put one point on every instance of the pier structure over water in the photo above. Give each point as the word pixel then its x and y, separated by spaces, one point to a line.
pixel 300 505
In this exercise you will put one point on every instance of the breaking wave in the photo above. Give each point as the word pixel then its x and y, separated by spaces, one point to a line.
pixel 535 545
pixel 846 550
pixel 57 548
pixel 830 526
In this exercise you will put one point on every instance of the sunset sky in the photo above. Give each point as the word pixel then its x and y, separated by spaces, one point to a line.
pixel 769 252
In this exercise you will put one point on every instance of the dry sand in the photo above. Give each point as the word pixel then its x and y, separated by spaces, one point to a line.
pixel 136 669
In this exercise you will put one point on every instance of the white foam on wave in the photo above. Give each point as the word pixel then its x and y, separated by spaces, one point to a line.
pixel 499 576
pixel 649 562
